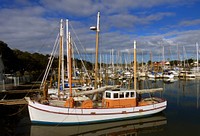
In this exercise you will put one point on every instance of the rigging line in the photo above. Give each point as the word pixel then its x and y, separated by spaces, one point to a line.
pixel 49 64
pixel 20 110
pixel 171 56
pixel 4 97
pixel 42 46
pixel 53 54
pixel 46 69
pixel 80 42
pixel 47 39
pixel 65 118
pixel 50 60
pixel 39 51
pixel 81 59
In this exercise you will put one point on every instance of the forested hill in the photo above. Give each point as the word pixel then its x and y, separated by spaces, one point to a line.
pixel 18 61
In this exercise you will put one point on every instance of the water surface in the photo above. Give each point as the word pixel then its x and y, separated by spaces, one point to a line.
pixel 181 118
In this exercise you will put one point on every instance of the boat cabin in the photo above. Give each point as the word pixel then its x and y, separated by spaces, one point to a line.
pixel 119 98
pixel 186 74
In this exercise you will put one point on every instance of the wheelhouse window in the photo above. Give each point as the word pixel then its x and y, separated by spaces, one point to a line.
pixel 121 95
pixel 132 94
pixel 127 94
pixel 108 95
pixel 115 95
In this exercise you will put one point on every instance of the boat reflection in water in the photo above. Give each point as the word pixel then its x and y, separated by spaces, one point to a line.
pixel 149 124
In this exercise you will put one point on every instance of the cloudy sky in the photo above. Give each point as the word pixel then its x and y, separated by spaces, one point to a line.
pixel 156 25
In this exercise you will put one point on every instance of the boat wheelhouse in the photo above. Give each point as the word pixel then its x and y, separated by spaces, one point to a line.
pixel 118 98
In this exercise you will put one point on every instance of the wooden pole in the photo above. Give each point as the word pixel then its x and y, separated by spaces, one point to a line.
pixel 45 90
pixel 97 50
pixel 60 56
pixel 70 101
pixel 135 67
pixel 70 66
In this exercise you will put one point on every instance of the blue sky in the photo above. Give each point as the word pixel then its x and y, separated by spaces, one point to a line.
pixel 32 25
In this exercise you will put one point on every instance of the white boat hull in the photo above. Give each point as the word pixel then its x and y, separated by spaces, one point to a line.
pixel 46 114
pixel 157 75
pixel 168 76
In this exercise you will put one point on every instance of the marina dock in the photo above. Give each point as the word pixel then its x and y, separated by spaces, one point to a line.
pixel 13 102
pixel 20 101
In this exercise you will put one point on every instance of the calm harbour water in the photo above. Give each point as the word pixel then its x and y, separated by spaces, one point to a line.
pixel 181 118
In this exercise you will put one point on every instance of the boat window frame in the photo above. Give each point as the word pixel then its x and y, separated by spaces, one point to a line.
pixel 121 94
pixel 115 95
pixel 132 94
pixel 127 94
pixel 108 95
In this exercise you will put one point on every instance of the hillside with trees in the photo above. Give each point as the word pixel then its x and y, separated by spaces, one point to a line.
pixel 19 63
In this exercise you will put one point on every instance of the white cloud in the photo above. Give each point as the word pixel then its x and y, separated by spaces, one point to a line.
pixel 74 7
pixel 190 22
pixel 128 20
pixel 23 28
pixel 33 26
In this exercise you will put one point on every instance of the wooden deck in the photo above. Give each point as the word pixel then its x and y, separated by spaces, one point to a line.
pixel 20 91
pixel 22 101
pixel 13 102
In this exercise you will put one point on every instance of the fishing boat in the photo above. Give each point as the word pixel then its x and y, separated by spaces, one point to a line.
pixel 111 103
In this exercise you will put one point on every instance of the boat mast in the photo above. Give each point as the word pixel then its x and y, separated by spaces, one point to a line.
pixel 97 49
pixel 60 56
pixel 67 40
pixel 69 66
pixel 62 59
pixel 100 77
pixel 97 29
pixel 163 55
pixel 197 48
pixel 112 61
pixel 135 67
pixel 151 61
pixel 142 61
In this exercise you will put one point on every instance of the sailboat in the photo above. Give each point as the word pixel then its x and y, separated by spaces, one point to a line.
pixel 196 69
pixel 113 104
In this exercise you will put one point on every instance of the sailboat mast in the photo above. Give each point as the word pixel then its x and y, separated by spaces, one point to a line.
pixel 97 49
pixel 100 68
pixel 69 65
pixel 135 67
pixel 67 40
pixel 62 59
pixel 142 61
pixel 197 48
pixel 60 55
pixel 151 60
pixel 163 55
